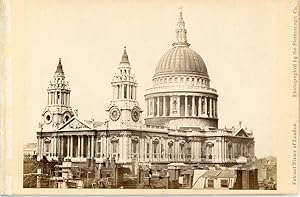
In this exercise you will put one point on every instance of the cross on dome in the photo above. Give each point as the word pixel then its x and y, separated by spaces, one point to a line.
pixel 181 38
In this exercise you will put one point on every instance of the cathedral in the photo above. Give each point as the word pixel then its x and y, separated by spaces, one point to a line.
pixel 180 122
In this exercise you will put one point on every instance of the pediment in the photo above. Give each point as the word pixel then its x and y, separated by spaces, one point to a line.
pixel 241 133
pixel 74 124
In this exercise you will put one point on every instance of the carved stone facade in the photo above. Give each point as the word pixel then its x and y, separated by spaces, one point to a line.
pixel 181 119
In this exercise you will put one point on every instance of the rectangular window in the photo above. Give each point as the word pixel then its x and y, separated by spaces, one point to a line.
pixel 47 147
pixel 155 148
pixel 148 148
pixel 99 147
pixel 224 183
pixel 210 183
pixel 134 145
pixel 125 91
pixel 114 147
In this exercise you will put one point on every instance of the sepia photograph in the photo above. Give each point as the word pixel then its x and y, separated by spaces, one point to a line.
pixel 146 95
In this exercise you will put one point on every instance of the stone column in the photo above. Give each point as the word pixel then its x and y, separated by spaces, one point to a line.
pixel 170 106
pixel 193 106
pixel 101 145
pixel 213 152
pixel 185 105
pixel 62 146
pixel 129 147
pixel 213 107
pixel 157 106
pixel 150 107
pixel 158 153
pixel 199 106
pixel 205 106
pixel 215 101
pixel 81 144
pixel 92 146
pixel 198 151
pixel 151 150
pixel 147 107
pixel 216 108
pixel 68 99
pixel 195 151
pixel 172 98
pixel 125 148
pixel 178 105
pixel 226 150
pixel 62 97
pixel 104 138
pixel 54 147
pixel 78 146
pixel 122 91
pixel 127 91
pixel 220 149
pixel 51 148
pixel 164 106
pixel 68 146
pixel 210 107
pixel 54 98
pixel 141 145
pixel 133 92
pixel 71 147
pixel 145 149
pixel 89 146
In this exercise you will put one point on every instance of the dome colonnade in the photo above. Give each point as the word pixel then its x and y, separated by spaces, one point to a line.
pixel 181 86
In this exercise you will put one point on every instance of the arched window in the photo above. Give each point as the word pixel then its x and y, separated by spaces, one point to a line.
pixel 135 142
pixel 114 143
pixel 155 147
pixel 170 149
pixel 182 150
pixel 209 147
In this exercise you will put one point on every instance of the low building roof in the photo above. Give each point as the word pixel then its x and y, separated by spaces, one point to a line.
pixel 219 174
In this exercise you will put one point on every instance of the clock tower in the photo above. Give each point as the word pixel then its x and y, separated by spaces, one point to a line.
pixel 124 110
pixel 58 109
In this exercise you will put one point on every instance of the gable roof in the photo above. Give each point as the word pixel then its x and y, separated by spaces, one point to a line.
pixel 75 124
pixel 219 174
pixel 241 133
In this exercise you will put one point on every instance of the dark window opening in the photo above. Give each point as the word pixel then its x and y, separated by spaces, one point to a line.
pixel 125 91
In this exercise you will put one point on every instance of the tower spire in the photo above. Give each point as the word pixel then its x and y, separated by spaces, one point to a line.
pixel 181 38
pixel 59 68
pixel 124 56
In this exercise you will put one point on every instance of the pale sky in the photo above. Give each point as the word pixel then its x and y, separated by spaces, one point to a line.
pixel 237 41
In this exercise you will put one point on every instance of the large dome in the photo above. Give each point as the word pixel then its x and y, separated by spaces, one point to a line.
pixel 181 60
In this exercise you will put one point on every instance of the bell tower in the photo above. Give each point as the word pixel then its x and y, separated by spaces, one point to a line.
pixel 58 109
pixel 124 109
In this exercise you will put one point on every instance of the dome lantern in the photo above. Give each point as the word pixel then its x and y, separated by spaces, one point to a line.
pixel 181 38
pixel 181 59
